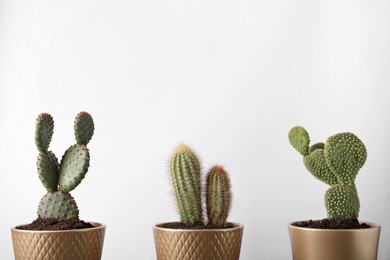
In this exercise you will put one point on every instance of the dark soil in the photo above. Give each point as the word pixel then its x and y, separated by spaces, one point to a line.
pixel 181 225
pixel 54 224
pixel 332 224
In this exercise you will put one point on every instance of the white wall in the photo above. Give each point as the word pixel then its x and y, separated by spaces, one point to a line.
pixel 227 77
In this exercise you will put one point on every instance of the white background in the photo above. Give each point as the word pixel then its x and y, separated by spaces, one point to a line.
pixel 229 78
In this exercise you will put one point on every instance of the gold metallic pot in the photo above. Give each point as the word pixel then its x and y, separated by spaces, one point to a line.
pixel 331 244
pixel 198 244
pixel 77 244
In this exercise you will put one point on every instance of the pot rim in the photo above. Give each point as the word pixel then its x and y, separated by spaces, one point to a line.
pixel 373 226
pixel 96 225
pixel 235 227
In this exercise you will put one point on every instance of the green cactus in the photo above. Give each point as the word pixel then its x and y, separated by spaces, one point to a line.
pixel 185 174
pixel 43 131
pixel 83 128
pixel 60 179
pixel 185 171
pixel 342 201
pixel 218 196
pixel 345 154
pixel 336 163
pixel 59 205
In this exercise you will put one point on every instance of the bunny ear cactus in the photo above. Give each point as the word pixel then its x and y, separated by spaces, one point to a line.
pixel 185 171
pixel 335 162
pixel 60 178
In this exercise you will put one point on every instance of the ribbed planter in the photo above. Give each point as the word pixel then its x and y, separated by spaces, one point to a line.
pixel 199 244
pixel 330 244
pixel 78 244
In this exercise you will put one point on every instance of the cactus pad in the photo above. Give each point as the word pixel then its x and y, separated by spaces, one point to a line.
pixel 342 201
pixel 218 196
pixel 58 205
pixel 74 166
pixel 316 146
pixel 48 169
pixel 83 128
pixel 345 154
pixel 299 139
pixel 316 164
pixel 43 131
pixel 185 174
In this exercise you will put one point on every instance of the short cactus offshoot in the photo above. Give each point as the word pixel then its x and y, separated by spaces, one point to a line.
pixel 186 178
pixel 61 178
pixel 336 163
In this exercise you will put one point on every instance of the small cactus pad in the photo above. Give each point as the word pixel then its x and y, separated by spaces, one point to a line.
pixel 316 164
pixel 342 201
pixel 74 166
pixel 83 128
pixel 345 155
pixel 58 205
pixel 316 146
pixel 43 131
pixel 218 196
pixel 185 174
pixel 48 169
pixel 299 139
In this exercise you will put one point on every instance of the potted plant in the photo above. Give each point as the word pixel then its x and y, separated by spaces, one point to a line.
pixel 341 236
pixel 193 238
pixel 58 233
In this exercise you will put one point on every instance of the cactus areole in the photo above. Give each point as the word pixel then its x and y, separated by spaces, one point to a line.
pixel 336 163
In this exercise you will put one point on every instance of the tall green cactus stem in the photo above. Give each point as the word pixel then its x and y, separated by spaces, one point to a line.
pixel 218 196
pixel 43 131
pixel 185 174
pixel 48 169
pixel 345 154
pixel 58 205
pixel 83 128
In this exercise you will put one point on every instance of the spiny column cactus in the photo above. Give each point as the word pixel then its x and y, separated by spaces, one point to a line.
pixel 60 178
pixel 186 178
pixel 185 174
pixel 335 162
pixel 218 196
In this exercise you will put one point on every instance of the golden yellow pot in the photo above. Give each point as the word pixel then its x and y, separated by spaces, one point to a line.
pixel 198 244
pixel 331 244
pixel 78 244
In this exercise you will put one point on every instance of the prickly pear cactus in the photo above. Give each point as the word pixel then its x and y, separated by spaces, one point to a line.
pixel 185 174
pixel 58 205
pixel 335 162
pixel 218 196
pixel 60 178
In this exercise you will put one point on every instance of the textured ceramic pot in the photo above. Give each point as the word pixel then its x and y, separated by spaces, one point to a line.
pixel 198 244
pixel 331 244
pixel 78 244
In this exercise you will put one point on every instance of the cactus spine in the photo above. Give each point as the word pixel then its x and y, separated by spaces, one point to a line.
pixel 218 196
pixel 336 163
pixel 185 173
pixel 60 178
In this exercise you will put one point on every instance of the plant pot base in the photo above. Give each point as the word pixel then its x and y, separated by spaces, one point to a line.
pixel 331 244
pixel 78 244
pixel 199 244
